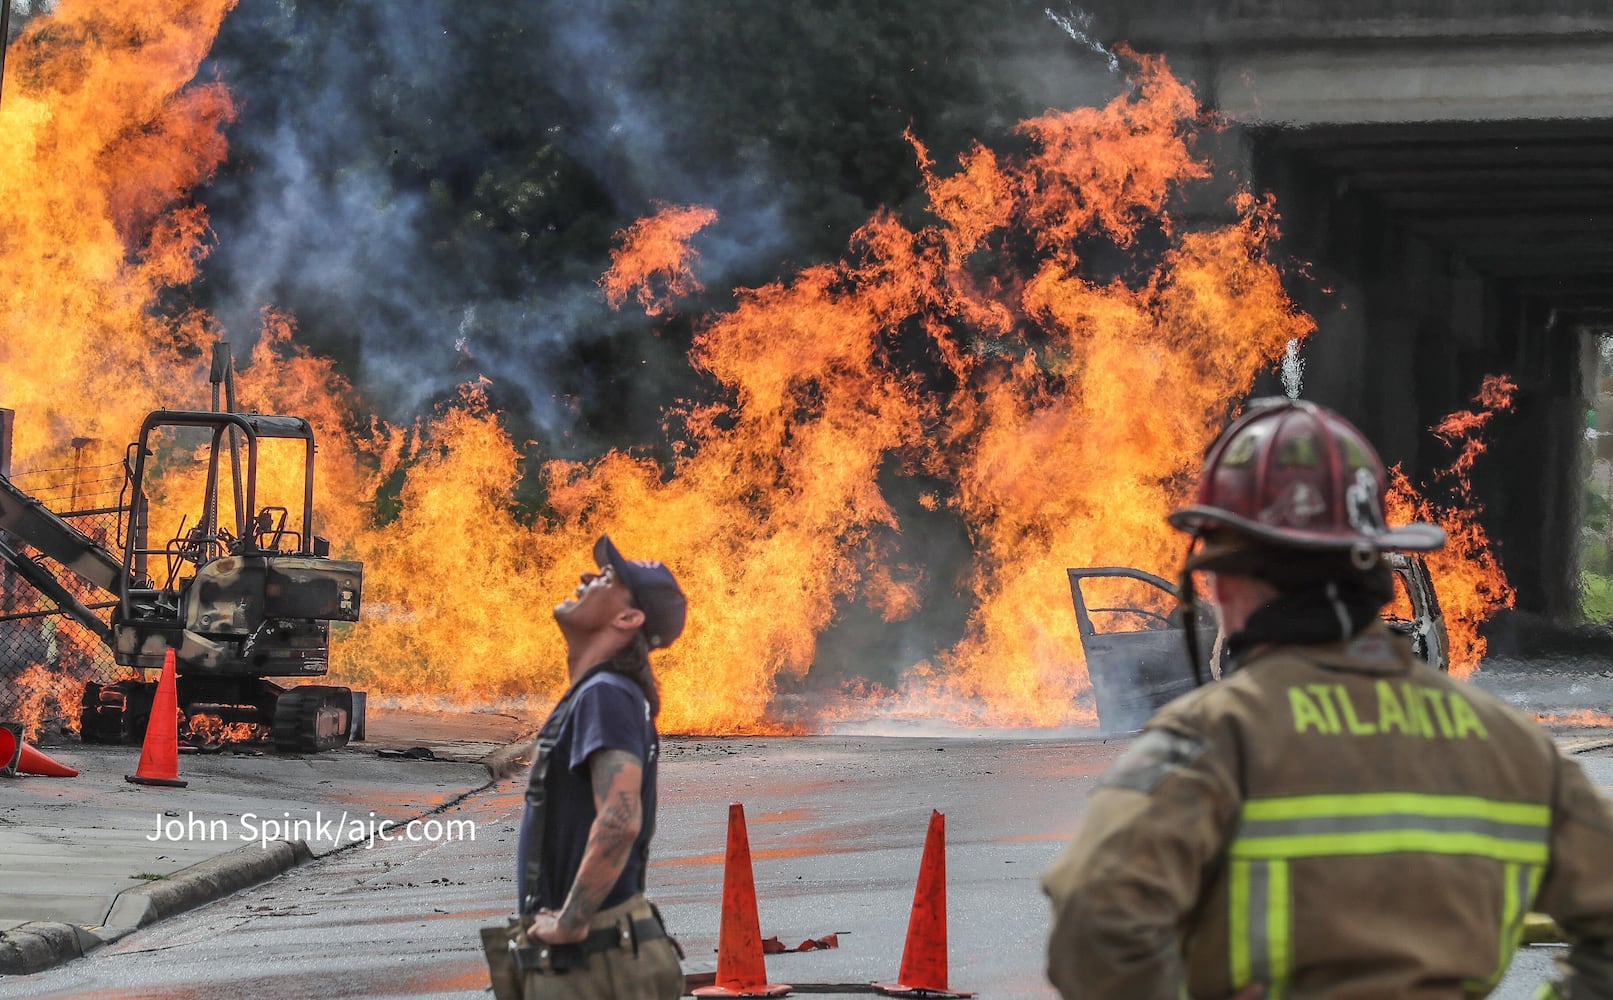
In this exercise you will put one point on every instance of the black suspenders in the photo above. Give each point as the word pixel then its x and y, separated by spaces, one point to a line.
pixel 537 791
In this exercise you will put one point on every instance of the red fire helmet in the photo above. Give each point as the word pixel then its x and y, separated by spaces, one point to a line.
pixel 1292 473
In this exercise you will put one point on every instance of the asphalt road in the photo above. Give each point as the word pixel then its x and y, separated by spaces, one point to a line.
pixel 836 827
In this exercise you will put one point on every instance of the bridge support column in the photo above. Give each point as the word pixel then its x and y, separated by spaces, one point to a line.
pixel 1533 475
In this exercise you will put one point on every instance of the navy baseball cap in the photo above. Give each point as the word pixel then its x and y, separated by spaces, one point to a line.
pixel 655 590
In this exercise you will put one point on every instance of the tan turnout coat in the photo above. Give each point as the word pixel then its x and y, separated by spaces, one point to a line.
pixel 1338 822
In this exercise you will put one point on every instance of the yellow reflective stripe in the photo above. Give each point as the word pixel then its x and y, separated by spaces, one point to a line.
pixel 1259 925
pixel 1238 922
pixel 1389 822
pixel 1279 921
pixel 1265 829
pixel 1522 883
pixel 1272 832
pixel 1513 905
pixel 1319 845
pixel 1546 991
pixel 1511 914
pixel 1410 803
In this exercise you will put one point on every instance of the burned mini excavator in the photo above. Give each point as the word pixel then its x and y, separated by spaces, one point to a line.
pixel 239 598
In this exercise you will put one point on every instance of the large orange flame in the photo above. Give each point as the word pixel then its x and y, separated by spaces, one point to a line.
pixel 101 137
pixel 44 694
pixel 1051 353
pixel 1468 579
pixel 654 259
pixel 1044 421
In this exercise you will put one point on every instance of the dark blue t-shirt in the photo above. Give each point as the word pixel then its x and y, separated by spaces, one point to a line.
pixel 608 712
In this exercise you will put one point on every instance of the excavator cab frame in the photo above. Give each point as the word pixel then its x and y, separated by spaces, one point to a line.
pixel 208 540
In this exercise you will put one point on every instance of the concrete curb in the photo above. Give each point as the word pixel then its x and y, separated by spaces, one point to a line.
pixel 201 883
pixel 40 945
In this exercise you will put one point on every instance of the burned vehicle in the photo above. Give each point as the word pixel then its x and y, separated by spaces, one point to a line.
pixel 1135 639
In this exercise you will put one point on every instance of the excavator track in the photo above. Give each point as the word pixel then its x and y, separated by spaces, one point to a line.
pixel 312 718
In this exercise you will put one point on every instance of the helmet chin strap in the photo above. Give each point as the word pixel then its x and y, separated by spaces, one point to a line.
pixel 1346 627
pixel 1187 599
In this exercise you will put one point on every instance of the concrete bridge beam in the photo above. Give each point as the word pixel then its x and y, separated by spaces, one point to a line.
pixel 1399 82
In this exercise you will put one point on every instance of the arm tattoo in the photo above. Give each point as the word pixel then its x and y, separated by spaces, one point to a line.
pixel 618 778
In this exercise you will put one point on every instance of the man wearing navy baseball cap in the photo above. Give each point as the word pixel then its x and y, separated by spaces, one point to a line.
pixel 590 810
pixel 654 590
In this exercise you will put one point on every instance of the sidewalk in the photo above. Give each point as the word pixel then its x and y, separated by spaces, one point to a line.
pixel 91 858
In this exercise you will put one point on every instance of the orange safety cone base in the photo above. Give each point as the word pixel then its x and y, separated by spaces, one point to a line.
pixel 135 779
pixel 31 761
pixel 761 990
pixel 898 990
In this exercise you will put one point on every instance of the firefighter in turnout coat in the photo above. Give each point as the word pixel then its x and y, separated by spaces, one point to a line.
pixel 1333 818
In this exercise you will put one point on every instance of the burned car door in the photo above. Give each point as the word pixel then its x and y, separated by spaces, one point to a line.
pixel 1414 613
pixel 1134 641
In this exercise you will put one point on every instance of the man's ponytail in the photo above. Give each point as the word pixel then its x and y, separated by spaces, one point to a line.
pixel 633 662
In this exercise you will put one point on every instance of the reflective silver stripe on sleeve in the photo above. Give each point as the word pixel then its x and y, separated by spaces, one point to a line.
pixel 1151 758
pixel 1259 921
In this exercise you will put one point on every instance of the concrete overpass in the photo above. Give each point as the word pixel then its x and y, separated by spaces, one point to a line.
pixel 1445 170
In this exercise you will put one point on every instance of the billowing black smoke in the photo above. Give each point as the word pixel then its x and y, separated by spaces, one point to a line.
pixel 431 188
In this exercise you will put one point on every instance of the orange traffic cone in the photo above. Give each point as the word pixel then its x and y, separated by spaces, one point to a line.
pixel 159 754
pixel 924 957
pixel 10 748
pixel 17 757
pixel 741 970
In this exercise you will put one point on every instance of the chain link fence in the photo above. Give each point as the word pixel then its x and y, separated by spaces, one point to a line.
pixel 46 654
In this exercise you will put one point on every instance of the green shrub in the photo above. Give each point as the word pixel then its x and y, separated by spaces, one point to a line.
pixel 1596 599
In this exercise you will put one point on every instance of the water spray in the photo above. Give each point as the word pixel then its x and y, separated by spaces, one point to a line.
pixel 1078 25
pixel 5 36
pixel 1293 370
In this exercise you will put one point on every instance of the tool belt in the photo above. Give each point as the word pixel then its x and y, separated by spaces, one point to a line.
pixel 511 954
pixel 628 934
